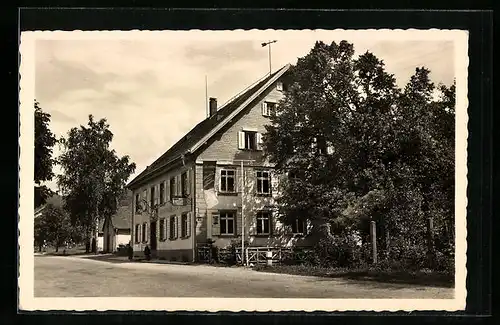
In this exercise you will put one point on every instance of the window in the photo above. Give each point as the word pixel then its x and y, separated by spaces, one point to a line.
pixel 152 198
pixel 173 188
pixel 227 178
pixel 298 226
pixel 263 182
pixel 249 140
pixel 137 203
pixel 268 108
pixel 227 223
pixel 321 143
pixel 184 225
pixel 162 192
pixel 263 223
pixel 144 233
pixel 184 184
pixel 162 229
pixel 279 86
pixel 137 229
pixel 172 227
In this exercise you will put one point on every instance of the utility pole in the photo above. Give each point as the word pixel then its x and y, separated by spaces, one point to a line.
pixel 266 44
pixel 242 180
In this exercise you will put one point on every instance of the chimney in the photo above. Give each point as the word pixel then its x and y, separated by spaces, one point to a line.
pixel 213 106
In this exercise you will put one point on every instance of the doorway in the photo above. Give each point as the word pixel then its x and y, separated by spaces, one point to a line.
pixel 153 238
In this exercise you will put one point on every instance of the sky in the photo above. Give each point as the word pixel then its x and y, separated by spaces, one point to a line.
pixel 152 91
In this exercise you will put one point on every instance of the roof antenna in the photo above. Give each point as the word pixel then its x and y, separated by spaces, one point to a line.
pixel 206 97
pixel 268 43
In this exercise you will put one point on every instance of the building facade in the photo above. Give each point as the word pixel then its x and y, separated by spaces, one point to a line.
pixel 215 184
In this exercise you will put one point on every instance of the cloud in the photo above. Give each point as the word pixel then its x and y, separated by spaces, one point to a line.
pixel 153 91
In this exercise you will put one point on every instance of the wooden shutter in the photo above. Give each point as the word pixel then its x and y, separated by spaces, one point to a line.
pixel 271 223
pixel 215 224
pixel 167 230
pixel 265 109
pixel 188 230
pixel 139 233
pixel 259 141
pixel 241 140
pixel 178 184
pixel 238 222
pixel 176 227
pixel 188 182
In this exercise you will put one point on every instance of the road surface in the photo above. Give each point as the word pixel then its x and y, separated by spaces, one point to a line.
pixel 84 277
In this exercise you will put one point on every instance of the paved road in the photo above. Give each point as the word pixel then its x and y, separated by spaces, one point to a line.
pixel 83 277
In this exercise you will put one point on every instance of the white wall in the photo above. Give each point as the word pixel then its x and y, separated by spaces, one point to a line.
pixel 122 239
pixel 100 243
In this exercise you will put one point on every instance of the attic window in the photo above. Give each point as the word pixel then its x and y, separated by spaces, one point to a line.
pixel 279 86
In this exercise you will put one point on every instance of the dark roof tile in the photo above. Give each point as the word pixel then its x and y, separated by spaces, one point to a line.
pixel 202 129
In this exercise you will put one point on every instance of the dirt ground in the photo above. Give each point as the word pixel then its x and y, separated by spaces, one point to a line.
pixel 70 276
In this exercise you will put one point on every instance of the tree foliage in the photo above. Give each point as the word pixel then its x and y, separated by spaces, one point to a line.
pixel 44 143
pixel 54 227
pixel 94 177
pixel 360 149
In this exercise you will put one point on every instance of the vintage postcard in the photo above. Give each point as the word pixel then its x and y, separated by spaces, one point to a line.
pixel 260 170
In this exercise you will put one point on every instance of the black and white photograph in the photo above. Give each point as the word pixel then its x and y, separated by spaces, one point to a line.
pixel 259 170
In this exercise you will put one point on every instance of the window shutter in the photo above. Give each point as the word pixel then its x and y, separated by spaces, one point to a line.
pixel 241 140
pixel 188 181
pixel 157 193
pixel 165 190
pixel 179 185
pixel 259 141
pixel 215 224
pixel 176 224
pixel 265 109
pixel 271 224
pixel 138 229
pixel 238 222
pixel 217 179
pixel 188 230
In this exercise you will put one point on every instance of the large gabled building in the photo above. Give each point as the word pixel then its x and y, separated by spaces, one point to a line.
pixel 196 192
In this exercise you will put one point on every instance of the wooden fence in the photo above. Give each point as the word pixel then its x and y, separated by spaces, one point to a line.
pixel 252 255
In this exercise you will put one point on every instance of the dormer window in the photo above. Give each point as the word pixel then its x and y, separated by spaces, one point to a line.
pixel 249 140
pixel 268 108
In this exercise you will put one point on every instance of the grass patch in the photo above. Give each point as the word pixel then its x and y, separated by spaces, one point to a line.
pixel 66 252
pixel 422 277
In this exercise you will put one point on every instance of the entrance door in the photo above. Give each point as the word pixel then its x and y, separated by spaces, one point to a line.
pixel 153 238
pixel 108 244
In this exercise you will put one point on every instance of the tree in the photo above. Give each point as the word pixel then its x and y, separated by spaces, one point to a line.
pixel 44 142
pixel 360 149
pixel 93 178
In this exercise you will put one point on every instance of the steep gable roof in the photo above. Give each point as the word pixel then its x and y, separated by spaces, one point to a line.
pixel 208 127
pixel 123 217
pixel 56 200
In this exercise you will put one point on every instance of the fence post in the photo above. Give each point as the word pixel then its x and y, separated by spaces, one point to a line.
pixel 269 258
pixel 246 255
pixel 430 241
pixel 373 233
